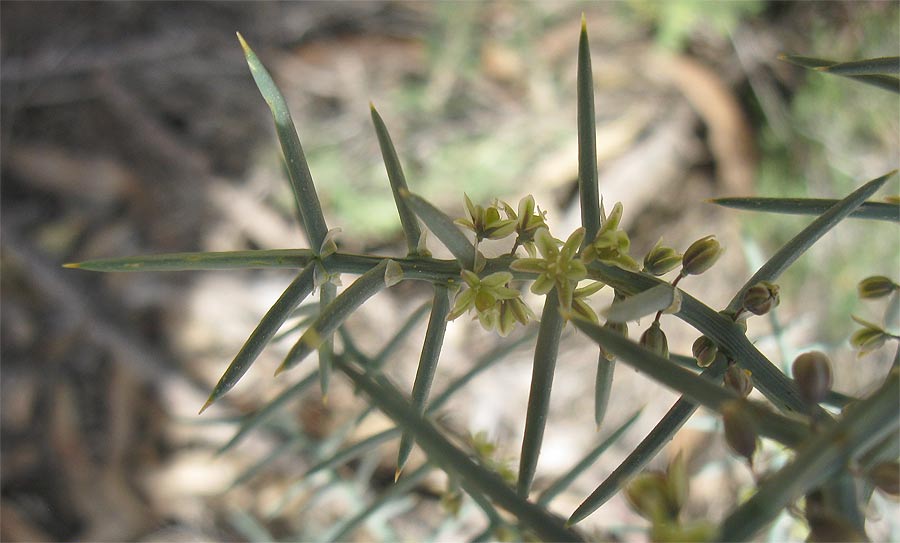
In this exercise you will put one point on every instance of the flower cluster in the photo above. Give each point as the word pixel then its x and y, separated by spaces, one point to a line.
pixel 558 267
pixel 498 307
pixel 873 336
pixel 611 244
pixel 659 497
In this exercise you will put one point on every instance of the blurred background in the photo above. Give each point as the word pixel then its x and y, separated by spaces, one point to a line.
pixel 134 127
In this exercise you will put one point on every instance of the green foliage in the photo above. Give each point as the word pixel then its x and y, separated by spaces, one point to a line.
pixel 829 451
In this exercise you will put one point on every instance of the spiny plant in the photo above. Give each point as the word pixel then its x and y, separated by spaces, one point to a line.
pixel 837 458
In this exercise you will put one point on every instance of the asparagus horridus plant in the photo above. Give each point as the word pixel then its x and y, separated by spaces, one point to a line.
pixel 830 451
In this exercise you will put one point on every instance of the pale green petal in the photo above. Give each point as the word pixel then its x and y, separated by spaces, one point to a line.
pixel 464 302
pixel 496 279
pixel 526 208
pixel 505 293
pixel 589 290
pixel 484 300
pixel 576 271
pixel 465 223
pixel 501 229
pixel 529 265
pixel 506 321
pixel 470 207
pixel 584 310
pixel 542 285
pixel 573 244
pixel 471 278
pixel 546 244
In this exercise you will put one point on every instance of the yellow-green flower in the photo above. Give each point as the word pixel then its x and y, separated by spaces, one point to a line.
pixel 559 266
pixel 486 223
pixel 528 219
pixel 611 244
pixel 579 304
pixel 498 307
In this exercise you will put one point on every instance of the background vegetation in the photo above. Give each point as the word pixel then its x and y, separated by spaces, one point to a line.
pixel 134 128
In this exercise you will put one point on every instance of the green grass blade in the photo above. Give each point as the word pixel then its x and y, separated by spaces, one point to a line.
pixel 444 229
pixel 263 415
pixel 602 388
pixel 566 479
pixel 428 361
pixel 293 295
pixel 366 286
pixel 341 530
pixel 791 251
pixel 227 260
pixel 819 458
pixel 327 294
pixel 472 477
pixel 421 268
pixel 869 66
pixel 885 82
pixel 398 183
pixel 301 180
pixel 664 371
pixel 647 449
pixel 807 62
pixel 588 187
pixel 879 211
pixel 545 355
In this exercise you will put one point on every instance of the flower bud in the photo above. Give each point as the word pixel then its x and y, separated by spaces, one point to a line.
pixel 661 260
pixel 760 298
pixel 812 372
pixel 738 380
pixel 705 351
pixel 877 286
pixel 677 482
pixel 886 477
pixel 740 429
pixel 648 494
pixel 700 256
pixel 868 339
pixel 655 340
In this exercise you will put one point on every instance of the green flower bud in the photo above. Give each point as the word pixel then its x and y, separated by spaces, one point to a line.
pixel 877 286
pixel 655 339
pixel 738 380
pixel 740 429
pixel 648 495
pixel 868 339
pixel 700 256
pixel 677 482
pixel 451 502
pixel 886 477
pixel 661 260
pixel 705 351
pixel 682 532
pixel 812 373
pixel 761 298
